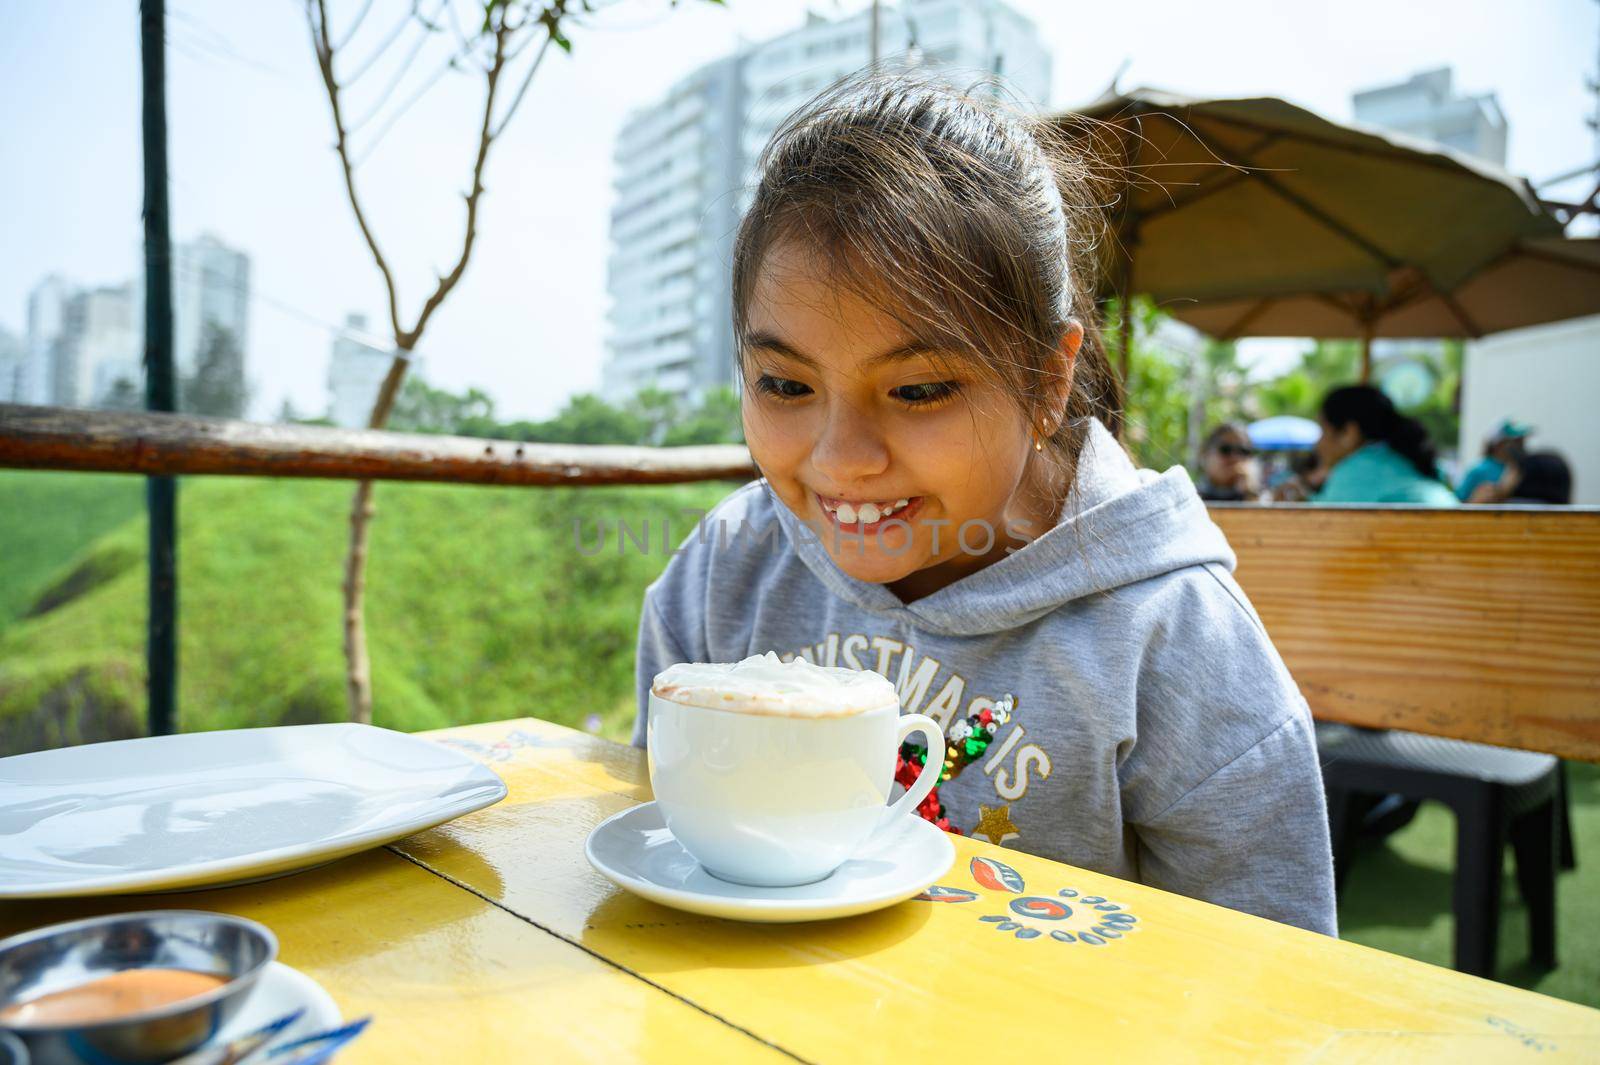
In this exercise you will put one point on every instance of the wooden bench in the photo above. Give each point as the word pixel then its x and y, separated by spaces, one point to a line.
pixel 1479 623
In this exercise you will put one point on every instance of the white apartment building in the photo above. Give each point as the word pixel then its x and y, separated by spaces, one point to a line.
pixel 46 330
pixel 13 363
pixel 1426 105
pixel 686 170
pixel 356 371
pixel 210 286
pixel 80 342
pixel 107 343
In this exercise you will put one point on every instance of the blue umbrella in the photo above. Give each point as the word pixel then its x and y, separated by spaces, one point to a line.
pixel 1284 433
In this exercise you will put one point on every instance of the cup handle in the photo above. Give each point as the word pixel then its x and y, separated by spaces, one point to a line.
pixel 908 803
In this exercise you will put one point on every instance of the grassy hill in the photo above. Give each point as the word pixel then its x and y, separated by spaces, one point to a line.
pixel 480 605
pixel 47 518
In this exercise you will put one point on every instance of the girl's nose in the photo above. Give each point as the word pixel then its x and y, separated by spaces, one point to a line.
pixel 849 447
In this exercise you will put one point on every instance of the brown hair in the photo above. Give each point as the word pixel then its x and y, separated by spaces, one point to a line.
pixel 983 220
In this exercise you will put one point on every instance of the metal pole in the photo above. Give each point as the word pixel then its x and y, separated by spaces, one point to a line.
pixel 873 35
pixel 161 493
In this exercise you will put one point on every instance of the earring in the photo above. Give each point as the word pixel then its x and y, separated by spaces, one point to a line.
pixel 1044 430
pixel 1037 444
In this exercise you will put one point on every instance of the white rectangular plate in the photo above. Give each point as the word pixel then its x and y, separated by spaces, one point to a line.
pixel 210 808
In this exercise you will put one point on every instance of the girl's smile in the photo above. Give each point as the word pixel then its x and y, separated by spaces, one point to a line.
pixel 867 517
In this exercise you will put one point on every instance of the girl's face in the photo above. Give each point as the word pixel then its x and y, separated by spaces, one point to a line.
pixel 884 449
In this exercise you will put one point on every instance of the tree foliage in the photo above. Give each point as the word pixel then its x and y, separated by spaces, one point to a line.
pixel 652 418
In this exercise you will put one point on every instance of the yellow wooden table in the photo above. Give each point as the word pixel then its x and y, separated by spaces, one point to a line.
pixel 491 940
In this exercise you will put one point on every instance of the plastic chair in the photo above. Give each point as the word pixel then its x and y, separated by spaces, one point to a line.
pixel 1498 795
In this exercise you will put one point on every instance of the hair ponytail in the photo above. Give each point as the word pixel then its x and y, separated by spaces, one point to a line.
pixel 1380 422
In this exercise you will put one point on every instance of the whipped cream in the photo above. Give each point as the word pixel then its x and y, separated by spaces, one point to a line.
pixel 765 684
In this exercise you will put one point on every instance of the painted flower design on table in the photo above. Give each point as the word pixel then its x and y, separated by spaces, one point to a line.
pixel 1066 917
pixel 502 749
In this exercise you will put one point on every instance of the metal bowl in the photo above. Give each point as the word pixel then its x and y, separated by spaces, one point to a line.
pixel 12 1052
pixel 61 956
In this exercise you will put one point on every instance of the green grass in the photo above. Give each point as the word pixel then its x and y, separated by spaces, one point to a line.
pixel 1397 898
pixel 47 518
pixel 479 607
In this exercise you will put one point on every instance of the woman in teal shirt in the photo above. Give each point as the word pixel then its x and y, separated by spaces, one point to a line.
pixel 1375 454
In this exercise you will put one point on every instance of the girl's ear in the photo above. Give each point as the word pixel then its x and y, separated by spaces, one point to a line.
pixel 1058 374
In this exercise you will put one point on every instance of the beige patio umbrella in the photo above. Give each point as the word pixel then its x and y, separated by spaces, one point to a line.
pixel 1240 200
pixel 1537 281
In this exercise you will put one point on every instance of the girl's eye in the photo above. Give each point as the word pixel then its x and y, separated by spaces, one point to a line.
pixel 925 394
pixel 781 387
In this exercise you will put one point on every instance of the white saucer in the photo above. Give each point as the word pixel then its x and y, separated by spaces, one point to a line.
pixel 635 850
pixel 282 990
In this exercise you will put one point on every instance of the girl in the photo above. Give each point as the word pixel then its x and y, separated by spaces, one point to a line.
pixel 942 502
pixel 1375 454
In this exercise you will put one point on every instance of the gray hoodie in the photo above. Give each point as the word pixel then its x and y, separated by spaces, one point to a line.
pixel 1153 732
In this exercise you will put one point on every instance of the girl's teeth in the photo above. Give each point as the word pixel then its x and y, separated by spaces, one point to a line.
pixel 866 513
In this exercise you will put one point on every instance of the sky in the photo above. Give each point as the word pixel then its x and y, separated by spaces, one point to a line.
pixel 252 160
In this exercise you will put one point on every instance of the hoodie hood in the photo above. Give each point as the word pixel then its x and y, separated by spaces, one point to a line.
pixel 1120 525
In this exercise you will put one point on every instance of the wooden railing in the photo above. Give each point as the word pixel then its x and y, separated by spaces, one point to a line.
pixel 55 438
pixel 1477 623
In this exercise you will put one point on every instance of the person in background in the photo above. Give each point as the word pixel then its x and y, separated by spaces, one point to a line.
pixel 1228 470
pixel 1540 478
pixel 1374 454
pixel 1503 448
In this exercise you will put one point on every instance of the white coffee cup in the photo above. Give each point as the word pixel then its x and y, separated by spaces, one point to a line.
pixel 777 799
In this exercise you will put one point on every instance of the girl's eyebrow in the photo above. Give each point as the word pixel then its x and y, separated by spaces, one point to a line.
pixel 770 342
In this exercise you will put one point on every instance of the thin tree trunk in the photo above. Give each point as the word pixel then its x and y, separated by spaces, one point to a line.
pixel 358 666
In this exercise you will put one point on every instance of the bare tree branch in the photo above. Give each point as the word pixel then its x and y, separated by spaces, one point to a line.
pixel 523 89
pixel 394 83
pixel 317 17
pixel 384 46
pixel 486 135
pixel 350 34
pixel 455 24
pixel 396 115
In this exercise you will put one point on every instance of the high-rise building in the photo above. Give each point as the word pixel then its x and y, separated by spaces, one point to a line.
pixel 89 338
pixel 12 363
pixel 1426 105
pixel 686 169
pixel 356 371
pixel 47 320
pixel 210 291
pixel 81 342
